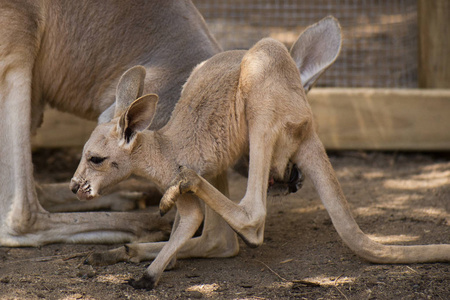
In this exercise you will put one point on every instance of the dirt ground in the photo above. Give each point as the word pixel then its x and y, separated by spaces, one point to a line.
pixel 396 198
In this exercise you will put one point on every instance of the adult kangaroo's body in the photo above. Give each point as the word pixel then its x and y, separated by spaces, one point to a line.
pixel 71 54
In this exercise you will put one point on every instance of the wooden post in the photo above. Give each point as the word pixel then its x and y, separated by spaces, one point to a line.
pixel 434 43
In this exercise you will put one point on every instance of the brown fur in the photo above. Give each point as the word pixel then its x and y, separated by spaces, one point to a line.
pixel 71 54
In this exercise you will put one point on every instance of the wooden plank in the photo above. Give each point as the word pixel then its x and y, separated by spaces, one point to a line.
pixel 382 119
pixel 371 119
pixel 434 43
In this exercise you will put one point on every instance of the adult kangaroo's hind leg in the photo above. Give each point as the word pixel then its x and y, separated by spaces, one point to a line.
pixel 18 47
pixel 23 222
pixel 127 195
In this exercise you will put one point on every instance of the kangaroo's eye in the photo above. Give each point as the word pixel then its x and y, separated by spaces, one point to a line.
pixel 97 160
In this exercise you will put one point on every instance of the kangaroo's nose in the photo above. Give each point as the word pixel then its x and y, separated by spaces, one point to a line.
pixel 74 186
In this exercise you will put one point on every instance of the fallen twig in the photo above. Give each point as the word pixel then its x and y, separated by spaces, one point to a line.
pixel 278 275
pixel 52 257
pixel 335 285
pixel 299 281
pixel 306 282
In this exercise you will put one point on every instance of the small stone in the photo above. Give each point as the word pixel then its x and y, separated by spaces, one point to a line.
pixel 195 281
pixel 85 273
pixel 5 279
pixel 195 294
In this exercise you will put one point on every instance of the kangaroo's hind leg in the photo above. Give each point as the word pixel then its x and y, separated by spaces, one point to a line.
pixel 23 221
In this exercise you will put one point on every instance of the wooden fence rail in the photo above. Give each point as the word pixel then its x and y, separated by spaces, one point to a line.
pixel 347 119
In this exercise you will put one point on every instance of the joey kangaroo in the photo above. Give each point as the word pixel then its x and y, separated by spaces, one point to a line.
pixel 234 103
pixel 70 55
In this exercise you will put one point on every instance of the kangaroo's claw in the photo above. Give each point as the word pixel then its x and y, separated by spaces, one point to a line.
pixel 168 199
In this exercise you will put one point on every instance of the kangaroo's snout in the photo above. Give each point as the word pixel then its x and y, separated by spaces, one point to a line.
pixel 84 189
pixel 74 186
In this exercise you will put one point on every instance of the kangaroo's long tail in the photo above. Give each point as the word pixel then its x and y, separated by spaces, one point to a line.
pixel 314 162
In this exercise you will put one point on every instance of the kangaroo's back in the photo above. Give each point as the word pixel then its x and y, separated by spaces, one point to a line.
pixel 86 46
pixel 228 93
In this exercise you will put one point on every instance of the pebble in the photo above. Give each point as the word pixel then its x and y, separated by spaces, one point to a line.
pixel 5 279
pixel 86 272
pixel 195 294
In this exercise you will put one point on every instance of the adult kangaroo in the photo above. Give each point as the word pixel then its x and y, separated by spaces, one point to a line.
pixel 70 55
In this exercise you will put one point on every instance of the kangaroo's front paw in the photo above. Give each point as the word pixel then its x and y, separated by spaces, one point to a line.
pixel 190 180
pixel 145 282
pixel 185 182
pixel 168 199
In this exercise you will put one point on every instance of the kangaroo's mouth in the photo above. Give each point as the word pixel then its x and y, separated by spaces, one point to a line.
pixel 83 191
pixel 85 195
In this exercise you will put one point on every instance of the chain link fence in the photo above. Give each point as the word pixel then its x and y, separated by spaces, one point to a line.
pixel 380 46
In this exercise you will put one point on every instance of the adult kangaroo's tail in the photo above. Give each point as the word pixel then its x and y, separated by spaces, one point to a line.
pixel 314 161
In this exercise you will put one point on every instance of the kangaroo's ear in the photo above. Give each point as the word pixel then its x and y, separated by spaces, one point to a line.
pixel 129 88
pixel 137 117
pixel 316 49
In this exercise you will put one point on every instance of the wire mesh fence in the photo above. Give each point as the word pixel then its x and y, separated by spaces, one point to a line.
pixel 380 46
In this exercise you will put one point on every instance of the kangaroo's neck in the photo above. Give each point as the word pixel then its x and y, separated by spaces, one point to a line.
pixel 153 158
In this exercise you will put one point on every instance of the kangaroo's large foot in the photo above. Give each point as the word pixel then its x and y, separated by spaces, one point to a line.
pixel 91 227
pixel 128 195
